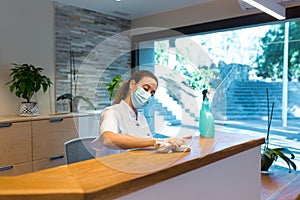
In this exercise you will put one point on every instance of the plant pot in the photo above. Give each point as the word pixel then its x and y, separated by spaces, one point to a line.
pixel 29 109
pixel 266 163
pixel 75 104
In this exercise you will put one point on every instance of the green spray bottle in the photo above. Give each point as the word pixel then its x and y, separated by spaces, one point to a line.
pixel 206 122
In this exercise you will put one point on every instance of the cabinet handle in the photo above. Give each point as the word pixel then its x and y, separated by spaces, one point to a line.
pixel 52 120
pixel 6 167
pixel 56 157
pixel 2 125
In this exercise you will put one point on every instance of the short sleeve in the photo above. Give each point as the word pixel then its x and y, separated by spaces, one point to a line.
pixel 109 120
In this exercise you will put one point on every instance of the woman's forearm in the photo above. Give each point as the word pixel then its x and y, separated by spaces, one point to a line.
pixel 123 141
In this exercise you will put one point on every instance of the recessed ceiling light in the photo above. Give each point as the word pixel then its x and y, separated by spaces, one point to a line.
pixel 118 0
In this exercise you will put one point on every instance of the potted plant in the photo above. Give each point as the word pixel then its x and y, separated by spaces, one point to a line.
pixel 269 155
pixel 74 100
pixel 26 81
pixel 113 86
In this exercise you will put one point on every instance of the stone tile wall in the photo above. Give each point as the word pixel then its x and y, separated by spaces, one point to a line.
pixel 101 46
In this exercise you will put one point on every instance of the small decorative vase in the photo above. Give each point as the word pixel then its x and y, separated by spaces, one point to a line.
pixel 29 109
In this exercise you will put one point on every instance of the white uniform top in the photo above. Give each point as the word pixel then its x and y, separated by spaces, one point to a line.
pixel 120 118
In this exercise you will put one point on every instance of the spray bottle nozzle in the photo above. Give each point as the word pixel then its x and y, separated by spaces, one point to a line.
pixel 204 93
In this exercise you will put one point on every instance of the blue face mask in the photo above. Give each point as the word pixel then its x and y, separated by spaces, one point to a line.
pixel 140 98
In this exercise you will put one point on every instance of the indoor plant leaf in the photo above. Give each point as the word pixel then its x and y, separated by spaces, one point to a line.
pixel 286 159
pixel 65 96
pixel 27 80
pixel 285 150
pixel 86 100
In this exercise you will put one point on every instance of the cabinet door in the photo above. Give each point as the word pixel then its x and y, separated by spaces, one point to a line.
pixel 49 136
pixel 46 163
pixel 17 169
pixel 15 143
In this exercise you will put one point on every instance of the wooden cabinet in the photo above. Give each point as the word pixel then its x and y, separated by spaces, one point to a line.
pixel 35 144
pixel 16 169
pixel 48 138
pixel 49 162
pixel 15 148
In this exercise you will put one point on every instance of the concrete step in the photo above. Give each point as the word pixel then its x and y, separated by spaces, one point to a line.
pixel 161 111
pixel 256 94
pixel 257 86
pixel 252 117
pixel 248 100
pixel 256 112
pixel 251 99
pixel 271 84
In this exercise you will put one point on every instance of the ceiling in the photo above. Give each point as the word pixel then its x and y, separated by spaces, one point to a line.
pixel 132 9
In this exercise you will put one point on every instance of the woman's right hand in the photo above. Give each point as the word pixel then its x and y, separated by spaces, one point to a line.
pixel 176 142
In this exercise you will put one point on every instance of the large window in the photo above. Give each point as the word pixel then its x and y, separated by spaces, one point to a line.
pixel 242 66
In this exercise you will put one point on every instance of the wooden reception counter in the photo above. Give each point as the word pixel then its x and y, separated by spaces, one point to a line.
pixel 226 167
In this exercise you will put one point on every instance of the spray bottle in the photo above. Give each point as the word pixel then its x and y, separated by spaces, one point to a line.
pixel 206 122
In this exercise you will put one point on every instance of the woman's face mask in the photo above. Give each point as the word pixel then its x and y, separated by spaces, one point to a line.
pixel 140 98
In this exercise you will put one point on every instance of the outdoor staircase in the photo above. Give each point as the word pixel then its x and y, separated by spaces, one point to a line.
pixel 244 101
pixel 170 111
pixel 159 116
pixel 248 100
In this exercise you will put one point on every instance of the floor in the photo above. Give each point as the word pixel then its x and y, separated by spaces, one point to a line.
pixel 280 185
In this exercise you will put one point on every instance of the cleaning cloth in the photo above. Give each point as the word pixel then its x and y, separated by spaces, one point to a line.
pixel 163 146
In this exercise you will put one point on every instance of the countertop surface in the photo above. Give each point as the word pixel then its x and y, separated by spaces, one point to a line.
pixel 116 175
pixel 16 118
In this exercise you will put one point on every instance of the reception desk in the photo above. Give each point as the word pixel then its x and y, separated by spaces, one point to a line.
pixel 225 167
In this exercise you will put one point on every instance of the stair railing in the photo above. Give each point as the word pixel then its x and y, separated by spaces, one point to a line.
pixel 218 107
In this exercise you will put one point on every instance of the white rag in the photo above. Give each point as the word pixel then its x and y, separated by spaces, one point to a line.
pixel 163 146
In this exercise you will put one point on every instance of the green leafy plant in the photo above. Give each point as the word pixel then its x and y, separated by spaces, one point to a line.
pixel 73 99
pixel 113 86
pixel 269 155
pixel 27 80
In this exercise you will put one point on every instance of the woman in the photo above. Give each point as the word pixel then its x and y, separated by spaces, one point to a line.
pixel 121 125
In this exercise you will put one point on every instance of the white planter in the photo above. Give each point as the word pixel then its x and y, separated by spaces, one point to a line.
pixel 29 109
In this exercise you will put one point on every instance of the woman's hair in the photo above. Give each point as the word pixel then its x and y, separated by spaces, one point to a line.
pixel 122 91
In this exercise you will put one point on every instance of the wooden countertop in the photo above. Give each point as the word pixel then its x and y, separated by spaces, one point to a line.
pixel 16 118
pixel 116 175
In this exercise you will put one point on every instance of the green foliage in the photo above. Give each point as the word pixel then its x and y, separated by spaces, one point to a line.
pixel 27 80
pixel 161 54
pixel 113 86
pixel 86 100
pixel 270 155
pixel 64 97
pixel 199 79
pixel 270 62
pixel 72 98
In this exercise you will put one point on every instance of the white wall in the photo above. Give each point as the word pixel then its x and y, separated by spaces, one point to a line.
pixel 26 36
